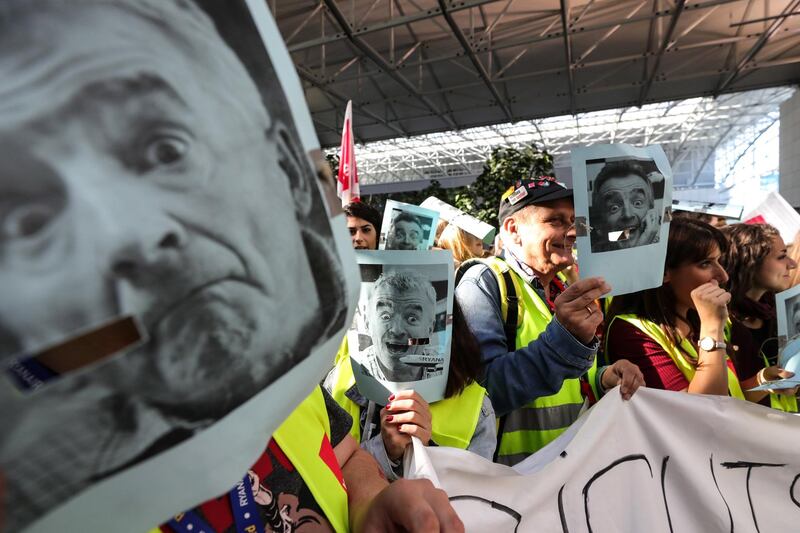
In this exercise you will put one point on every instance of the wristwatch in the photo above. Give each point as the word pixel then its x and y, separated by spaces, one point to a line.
pixel 709 344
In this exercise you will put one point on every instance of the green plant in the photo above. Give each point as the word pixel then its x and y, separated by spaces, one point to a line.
pixel 504 165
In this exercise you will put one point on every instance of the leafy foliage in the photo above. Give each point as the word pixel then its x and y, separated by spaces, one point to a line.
pixel 504 165
pixel 481 199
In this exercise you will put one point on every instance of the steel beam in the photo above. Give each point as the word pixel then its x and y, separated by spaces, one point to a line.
pixel 756 48
pixel 673 22
pixel 307 76
pixel 459 35
pixel 376 58
pixel 393 23
pixel 568 55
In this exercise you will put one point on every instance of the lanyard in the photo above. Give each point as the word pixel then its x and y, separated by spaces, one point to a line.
pixel 245 509
pixel 243 505
pixel 29 374
pixel 189 522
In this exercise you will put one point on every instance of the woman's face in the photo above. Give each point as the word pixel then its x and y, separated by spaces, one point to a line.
pixel 688 276
pixel 475 245
pixel 775 272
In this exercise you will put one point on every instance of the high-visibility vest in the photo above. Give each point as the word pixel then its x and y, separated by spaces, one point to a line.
pixel 781 402
pixel 301 438
pixel 531 427
pixel 453 420
pixel 677 354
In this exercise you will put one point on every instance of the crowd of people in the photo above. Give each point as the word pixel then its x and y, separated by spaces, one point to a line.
pixel 151 171
pixel 539 347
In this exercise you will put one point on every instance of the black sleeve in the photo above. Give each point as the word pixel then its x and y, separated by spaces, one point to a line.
pixel 340 420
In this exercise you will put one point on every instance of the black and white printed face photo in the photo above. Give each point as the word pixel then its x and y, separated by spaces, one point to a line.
pixel 407 232
pixel 143 174
pixel 793 317
pixel 401 317
pixel 625 203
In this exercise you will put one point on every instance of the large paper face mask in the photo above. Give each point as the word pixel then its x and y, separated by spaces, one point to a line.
pixel 165 253
pixel 401 335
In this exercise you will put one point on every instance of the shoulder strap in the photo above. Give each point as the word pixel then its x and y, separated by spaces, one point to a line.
pixel 509 300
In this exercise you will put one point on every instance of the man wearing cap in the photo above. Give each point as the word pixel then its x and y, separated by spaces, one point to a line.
pixel 537 336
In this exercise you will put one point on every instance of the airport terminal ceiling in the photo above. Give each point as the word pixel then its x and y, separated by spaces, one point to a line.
pixel 421 66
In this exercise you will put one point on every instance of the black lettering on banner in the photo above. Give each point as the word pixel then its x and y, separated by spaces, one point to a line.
pixel 749 466
pixel 516 516
pixel 598 475
pixel 664 490
pixel 711 464
pixel 561 514
pixel 791 490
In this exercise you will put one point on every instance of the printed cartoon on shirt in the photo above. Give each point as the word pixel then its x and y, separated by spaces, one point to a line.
pixel 400 337
pixel 167 253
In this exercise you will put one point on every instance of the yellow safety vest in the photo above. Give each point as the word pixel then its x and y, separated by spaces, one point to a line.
pixel 781 402
pixel 453 420
pixel 531 427
pixel 687 368
pixel 300 438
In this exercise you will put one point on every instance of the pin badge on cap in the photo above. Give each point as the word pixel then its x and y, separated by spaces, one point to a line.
pixel 518 195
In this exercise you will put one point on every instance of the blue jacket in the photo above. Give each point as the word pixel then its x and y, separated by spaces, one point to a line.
pixel 514 378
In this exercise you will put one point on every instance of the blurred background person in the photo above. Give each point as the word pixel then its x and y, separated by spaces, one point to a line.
pixel 364 225
pixel 758 267
pixel 675 332
pixel 464 245
pixel 794 254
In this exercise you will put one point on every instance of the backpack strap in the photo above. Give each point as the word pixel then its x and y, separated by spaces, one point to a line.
pixel 509 307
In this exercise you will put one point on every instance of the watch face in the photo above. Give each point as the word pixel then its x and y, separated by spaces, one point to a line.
pixel 707 343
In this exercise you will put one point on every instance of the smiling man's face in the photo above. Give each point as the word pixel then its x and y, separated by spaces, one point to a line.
pixel 129 188
pixel 396 316
pixel 547 233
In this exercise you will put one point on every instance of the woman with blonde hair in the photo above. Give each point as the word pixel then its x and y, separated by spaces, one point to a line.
pixel 464 245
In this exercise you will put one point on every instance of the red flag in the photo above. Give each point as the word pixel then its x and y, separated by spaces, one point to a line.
pixel 347 183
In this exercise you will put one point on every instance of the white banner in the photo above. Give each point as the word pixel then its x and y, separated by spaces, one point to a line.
pixel 662 462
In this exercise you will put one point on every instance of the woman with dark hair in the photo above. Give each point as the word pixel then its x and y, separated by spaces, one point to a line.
pixel 675 332
pixel 463 419
pixel 758 266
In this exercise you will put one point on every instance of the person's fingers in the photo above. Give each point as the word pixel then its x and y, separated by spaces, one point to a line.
pixel 410 417
pixel 446 516
pixel 413 430
pixel 578 288
pixel 408 405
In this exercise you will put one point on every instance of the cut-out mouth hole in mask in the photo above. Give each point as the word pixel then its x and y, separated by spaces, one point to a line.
pixel 30 371
pixel 621 235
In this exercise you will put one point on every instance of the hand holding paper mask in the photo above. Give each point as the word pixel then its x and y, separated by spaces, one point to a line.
pixel 406 415
pixel 401 335
pixel 622 195
pixel 576 309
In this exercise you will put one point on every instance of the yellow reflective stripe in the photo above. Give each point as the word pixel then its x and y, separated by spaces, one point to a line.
pixel 300 438
pixel 343 352
pixel 520 443
pixel 654 331
pixel 453 420
pixel 543 418
pixel 533 317
pixel 344 380
pixel 781 402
